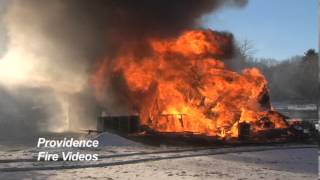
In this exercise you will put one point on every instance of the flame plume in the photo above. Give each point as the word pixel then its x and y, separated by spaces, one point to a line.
pixel 183 85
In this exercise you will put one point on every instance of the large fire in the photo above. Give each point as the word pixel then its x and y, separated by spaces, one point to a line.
pixel 183 85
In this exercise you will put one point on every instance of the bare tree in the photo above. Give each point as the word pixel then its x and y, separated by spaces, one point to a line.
pixel 246 48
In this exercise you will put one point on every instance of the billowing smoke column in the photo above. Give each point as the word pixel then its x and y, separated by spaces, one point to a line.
pixel 55 47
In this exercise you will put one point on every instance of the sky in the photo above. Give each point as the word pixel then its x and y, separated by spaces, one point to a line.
pixel 277 28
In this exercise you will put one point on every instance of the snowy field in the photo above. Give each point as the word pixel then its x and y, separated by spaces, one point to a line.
pixel 120 158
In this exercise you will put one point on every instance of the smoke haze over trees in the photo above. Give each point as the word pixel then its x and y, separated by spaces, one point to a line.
pixel 292 80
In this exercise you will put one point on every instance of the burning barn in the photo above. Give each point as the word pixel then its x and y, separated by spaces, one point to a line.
pixel 184 86
pixel 176 77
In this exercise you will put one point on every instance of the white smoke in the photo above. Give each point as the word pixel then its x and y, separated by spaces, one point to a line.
pixel 37 61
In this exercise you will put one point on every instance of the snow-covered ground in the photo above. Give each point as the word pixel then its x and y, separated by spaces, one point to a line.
pixel 120 158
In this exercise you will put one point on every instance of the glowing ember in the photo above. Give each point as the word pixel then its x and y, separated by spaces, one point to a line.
pixel 183 85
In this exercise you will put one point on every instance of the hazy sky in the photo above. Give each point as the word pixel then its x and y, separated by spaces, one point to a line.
pixel 277 28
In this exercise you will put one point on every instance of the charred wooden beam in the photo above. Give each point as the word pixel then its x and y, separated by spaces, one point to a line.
pixel 125 124
pixel 244 131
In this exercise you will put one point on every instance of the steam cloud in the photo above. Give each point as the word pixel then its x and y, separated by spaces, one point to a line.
pixel 55 45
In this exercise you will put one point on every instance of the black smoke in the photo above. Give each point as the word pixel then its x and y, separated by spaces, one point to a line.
pixel 101 26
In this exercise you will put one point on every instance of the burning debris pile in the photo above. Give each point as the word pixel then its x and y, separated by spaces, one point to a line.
pixel 183 85
pixel 175 76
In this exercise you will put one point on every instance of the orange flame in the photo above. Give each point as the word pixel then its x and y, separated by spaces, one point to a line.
pixel 183 86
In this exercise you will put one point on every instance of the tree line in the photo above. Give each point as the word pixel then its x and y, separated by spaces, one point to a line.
pixel 293 80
